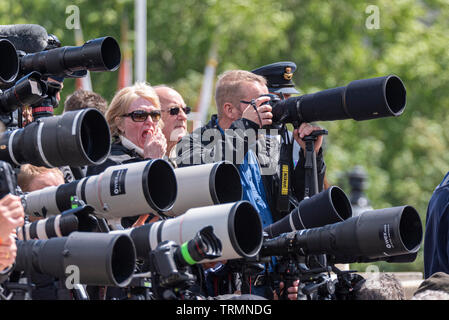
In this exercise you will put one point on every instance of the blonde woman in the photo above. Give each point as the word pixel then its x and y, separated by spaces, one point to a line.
pixel 134 118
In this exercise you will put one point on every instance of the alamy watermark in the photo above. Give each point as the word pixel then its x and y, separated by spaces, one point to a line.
pixel 73 20
pixel 234 146
pixel 373 20
pixel 73 276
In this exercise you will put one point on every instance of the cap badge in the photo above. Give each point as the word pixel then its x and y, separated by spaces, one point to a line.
pixel 288 75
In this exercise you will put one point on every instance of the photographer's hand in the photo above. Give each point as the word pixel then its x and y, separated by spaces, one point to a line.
pixel 155 145
pixel 11 215
pixel 292 291
pixel 306 129
pixel 263 112
pixel 8 252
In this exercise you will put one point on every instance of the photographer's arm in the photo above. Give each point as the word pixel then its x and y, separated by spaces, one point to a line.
pixel 299 172
pixel 11 215
pixel 8 251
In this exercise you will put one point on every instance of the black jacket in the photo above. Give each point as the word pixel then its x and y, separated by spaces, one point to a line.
pixel 201 147
pixel 119 155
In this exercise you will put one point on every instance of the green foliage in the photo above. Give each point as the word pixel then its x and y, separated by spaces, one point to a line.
pixel 405 157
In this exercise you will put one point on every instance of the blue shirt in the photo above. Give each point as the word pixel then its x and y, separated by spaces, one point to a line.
pixel 252 185
pixel 436 244
pixel 253 188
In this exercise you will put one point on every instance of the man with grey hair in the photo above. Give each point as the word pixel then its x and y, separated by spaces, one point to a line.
pixel 174 116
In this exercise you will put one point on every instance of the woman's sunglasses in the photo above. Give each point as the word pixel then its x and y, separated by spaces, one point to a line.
pixel 141 116
pixel 175 110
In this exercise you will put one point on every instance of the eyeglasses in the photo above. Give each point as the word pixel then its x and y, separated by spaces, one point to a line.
pixel 175 110
pixel 141 115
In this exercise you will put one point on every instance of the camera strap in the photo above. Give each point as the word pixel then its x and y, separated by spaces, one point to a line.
pixel 282 195
pixel 254 105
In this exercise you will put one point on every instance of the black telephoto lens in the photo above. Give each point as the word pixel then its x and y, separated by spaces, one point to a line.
pixel 327 207
pixel 360 100
pixel 75 138
pixel 9 66
pixel 109 259
pixel 374 235
pixel 102 54
pixel 27 91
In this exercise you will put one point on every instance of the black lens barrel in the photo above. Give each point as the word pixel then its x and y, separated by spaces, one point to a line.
pixel 101 258
pixel 9 66
pixel 27 91
pixel 102 54
pixel 360 100
pixel 76 138
pixel 327 207
pixel 376 234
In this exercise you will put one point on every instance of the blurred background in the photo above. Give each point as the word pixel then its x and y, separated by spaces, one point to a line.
pixel 332 43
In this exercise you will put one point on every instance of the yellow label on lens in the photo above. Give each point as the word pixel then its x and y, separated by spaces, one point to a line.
pixel 284 177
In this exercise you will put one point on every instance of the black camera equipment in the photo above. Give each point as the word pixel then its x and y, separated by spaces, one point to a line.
pixel 9 68
pixel 25 37
pixel 101 54
pixel 375 234
pixel 311 176
pixel 327 207
pixel 42 52
pixel 390 234
pixel 28 90
pixel 62 225
pixel 120 191
pixel 360 100
pixel 75 138
pixel 170 263
pixel 206 185
pixel 44 107
pixel 8 179
pixel 101 258
pixel 237 225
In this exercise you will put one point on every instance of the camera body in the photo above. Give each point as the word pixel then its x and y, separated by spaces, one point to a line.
pixel 8 179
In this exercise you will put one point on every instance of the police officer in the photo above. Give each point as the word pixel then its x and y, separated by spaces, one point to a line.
pixel 279 77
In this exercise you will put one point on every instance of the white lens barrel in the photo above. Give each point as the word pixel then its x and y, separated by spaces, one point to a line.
pixel 237 225
pixel 206 185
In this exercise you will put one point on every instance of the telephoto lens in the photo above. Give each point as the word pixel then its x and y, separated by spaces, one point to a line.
pixel 206 185
pixel 120 191
pixel 374 235
pixel 27 91
pixel 75 138
pixel 204 245
pixel 360 100
pixel 327 207
pixel 61 225
pixel 9 66
pixel 101 259
pixel 101 54
pixel 237 225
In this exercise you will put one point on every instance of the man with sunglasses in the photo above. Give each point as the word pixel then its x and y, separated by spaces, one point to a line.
pixel 174 116
pixel 241 109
